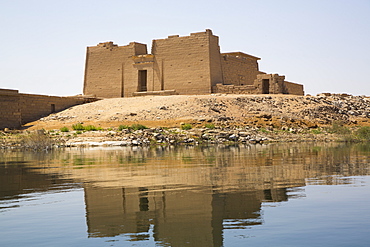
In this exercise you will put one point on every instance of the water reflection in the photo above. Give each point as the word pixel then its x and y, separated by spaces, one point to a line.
pixel 178 195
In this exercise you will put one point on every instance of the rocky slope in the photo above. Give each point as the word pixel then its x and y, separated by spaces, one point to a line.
pixel 267 111
pixel 212 119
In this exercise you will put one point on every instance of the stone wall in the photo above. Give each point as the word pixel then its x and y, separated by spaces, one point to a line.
pixel 293 88
pixel 190 64
pixel 270 83
pixel 18 109
pixel 183 65
pixel 10 116
pixel 33 107
pixel 108 66
pixel 232 89
pixel 239 68
pixel 264 84
pixel 215 59
pixel 187 65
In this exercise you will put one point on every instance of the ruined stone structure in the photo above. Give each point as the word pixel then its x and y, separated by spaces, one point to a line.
pixel 17 108
pixel 177 65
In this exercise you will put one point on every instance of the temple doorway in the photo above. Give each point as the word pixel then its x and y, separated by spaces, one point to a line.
pixel 265 86
pixel 143 75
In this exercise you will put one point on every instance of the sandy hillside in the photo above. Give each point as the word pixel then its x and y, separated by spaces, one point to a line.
pixel 258 110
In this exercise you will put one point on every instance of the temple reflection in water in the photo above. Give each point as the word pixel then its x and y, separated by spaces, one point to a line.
pixel 175 214
pixel 174 195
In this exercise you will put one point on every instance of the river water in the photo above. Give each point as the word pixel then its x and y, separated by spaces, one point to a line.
pixel 259 195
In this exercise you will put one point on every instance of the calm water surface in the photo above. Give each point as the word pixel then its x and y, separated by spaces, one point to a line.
pixel 263 195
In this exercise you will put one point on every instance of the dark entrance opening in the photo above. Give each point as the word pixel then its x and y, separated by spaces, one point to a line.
pixel 142 81
pixel 52 108
pixel 265 86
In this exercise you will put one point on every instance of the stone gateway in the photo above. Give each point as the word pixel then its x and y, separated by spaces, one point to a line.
pixel 177 65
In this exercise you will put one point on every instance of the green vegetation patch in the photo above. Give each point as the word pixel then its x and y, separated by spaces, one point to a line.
pixel 90 128
pixel 363 133
pixel 78 126
pixel 138 127
pixel 132 127
pixel 64 129
pixel 186 126
pixel 209 125
pixel 339 128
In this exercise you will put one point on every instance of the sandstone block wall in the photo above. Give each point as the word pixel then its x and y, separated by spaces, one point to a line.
pixel 186 63
pixel 10 116
pixel 33 107
pixel 270 83
pixel 215 60
pixel 264 84
pixel 293 88
pixel 232 89
pixel 108 66
pixel 239 69
pixel 18 109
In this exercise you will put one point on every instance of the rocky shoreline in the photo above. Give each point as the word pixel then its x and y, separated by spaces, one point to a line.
pixel 42 139
pixel 209 119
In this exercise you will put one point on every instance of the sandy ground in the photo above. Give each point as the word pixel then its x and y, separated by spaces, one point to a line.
pixel 170 111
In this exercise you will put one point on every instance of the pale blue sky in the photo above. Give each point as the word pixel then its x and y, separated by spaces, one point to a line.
pixel 323 44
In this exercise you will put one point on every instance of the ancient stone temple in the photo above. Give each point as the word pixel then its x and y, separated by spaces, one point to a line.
pixel 177 65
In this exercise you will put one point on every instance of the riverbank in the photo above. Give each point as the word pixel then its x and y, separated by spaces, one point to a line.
pixel 140 135
pixel 259 111
pixel 200 119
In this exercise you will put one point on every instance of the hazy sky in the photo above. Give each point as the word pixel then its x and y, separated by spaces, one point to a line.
pixel 323 44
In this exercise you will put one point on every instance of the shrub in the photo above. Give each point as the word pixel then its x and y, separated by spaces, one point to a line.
pixel 38 141
pixel 90 128
pixel 64 129
pixel 78 132
pixel 363 133
pixel 138 127
pixel 122 127
pixel 263 130
pixel 78 126
pixel 316 131
pixel 186 126
pixel 209 125
pixel 338 128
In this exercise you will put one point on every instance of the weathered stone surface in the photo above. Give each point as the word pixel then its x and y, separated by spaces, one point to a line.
pixel 188 65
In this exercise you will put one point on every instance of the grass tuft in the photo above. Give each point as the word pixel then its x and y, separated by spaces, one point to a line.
pixel 64 129
pixel 186 126
pixel 209 125
pixel 78 126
